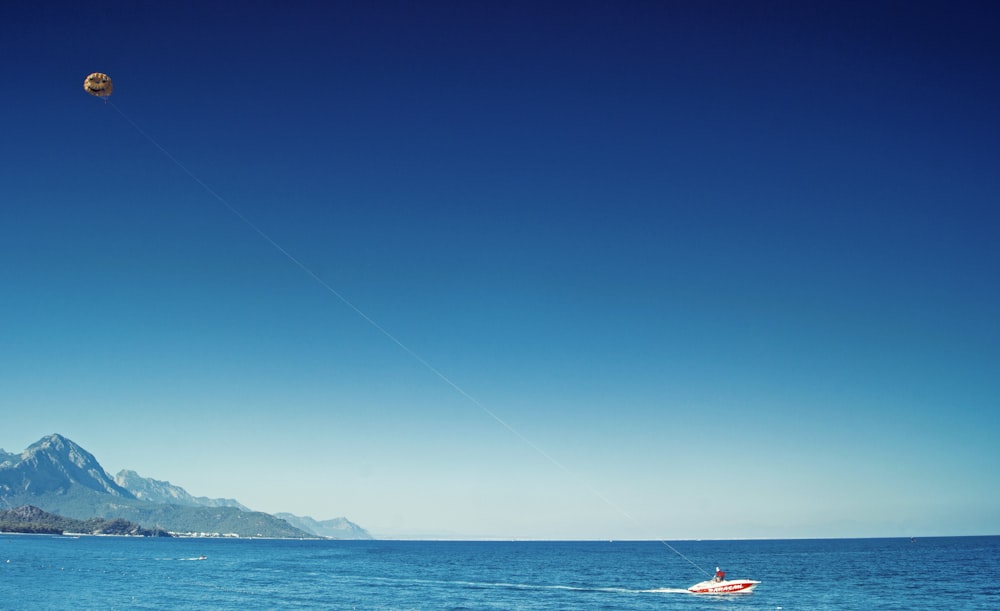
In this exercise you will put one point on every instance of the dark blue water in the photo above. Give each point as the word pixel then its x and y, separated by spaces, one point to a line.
pixel 40 572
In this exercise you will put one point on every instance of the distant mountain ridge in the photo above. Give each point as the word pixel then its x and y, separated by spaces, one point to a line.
pixel 164 492
pixel 337 528
pixel 156 491
pixel 58 476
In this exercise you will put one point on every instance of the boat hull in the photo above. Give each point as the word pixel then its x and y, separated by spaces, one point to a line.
pixel 731 586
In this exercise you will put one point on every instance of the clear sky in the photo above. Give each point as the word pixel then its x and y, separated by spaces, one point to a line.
pixel 724 269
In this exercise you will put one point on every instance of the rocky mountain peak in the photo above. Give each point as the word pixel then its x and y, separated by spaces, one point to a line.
pixel 56 445
pixel 55 464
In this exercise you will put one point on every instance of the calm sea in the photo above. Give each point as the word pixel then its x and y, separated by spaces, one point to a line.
pixel 42 572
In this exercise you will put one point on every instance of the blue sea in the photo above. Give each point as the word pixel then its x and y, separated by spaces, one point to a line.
pixel 47 572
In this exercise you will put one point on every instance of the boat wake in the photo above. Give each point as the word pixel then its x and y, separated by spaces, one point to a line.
pixel 535 587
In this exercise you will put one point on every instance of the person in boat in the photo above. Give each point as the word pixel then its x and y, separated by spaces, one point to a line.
pixel 719 575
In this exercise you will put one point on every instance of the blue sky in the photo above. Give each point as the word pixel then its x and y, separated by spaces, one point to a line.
pixel 724 269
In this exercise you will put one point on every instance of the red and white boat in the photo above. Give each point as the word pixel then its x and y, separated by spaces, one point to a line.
pixel 726 586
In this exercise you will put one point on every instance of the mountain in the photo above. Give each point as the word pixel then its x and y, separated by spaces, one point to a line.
pixel 55 464
pixel 156 491
pixel 337 528
pixel 60 477
pixel 28 519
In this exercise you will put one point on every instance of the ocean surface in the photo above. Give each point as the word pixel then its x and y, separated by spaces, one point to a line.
pixel 46 572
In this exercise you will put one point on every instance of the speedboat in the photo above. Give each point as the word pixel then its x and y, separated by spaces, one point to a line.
pixel 726 586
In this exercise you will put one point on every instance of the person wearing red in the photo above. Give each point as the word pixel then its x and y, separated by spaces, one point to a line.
pixel 719 574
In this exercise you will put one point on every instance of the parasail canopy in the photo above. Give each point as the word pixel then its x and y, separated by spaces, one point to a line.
pixel 98 84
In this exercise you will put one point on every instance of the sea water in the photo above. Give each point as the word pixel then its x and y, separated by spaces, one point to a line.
pixel 47 572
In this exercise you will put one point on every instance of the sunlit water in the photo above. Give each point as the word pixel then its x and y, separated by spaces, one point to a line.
pixel 42 572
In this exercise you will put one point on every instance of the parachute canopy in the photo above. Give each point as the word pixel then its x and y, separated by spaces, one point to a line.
pixel 98 84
